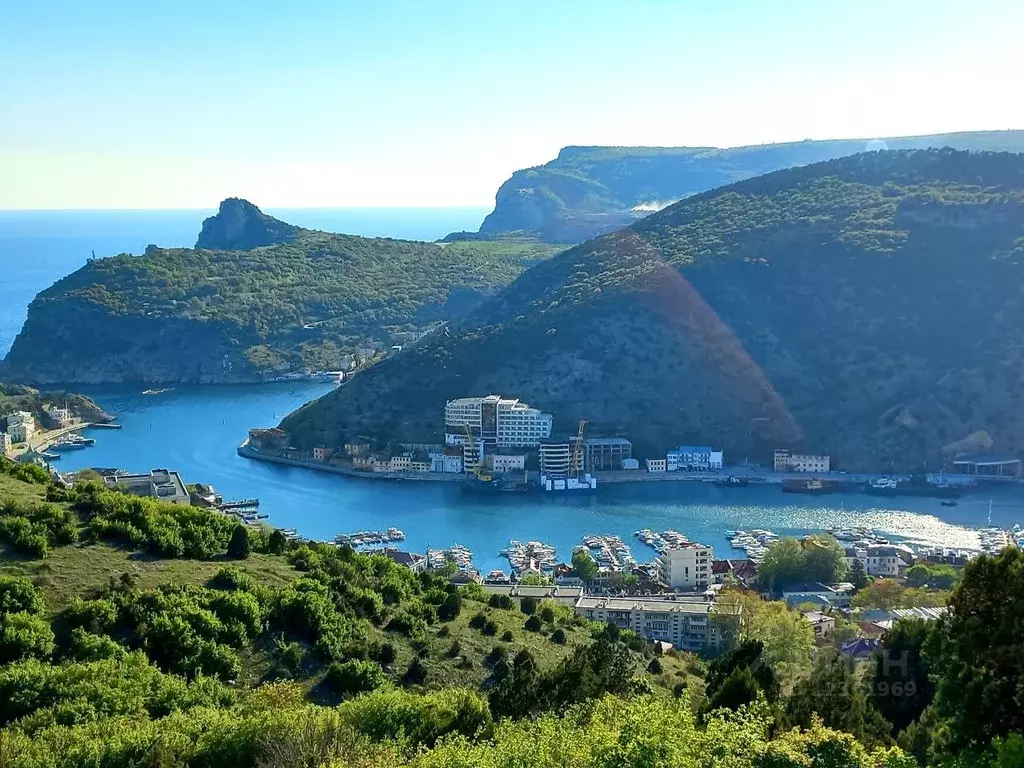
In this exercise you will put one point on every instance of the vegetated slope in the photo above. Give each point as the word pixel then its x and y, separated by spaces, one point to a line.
pixel 589 191
pixel 17 397
pixel 202 315
pixel 869 307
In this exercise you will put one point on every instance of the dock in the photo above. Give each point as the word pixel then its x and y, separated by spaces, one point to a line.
pixel 242 504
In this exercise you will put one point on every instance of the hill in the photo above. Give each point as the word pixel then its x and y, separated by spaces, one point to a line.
pixel 868 307
pixel 297 299
pixel 590 191
pixel 17 397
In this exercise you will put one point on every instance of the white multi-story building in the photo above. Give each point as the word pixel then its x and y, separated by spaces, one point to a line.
pixel 883 560
pixel 5 443
pixel 800 462
pixel 686 566
pixel 693 458
pixel 499 462
pixel 683 622
pixel 60 415
pixel 495 420
pixel 656 465
pixel 20 426
pixel 555 458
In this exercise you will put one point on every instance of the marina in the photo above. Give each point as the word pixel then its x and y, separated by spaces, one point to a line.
pixel 532 557
pixel 461 556
pixel 610 553
pixel 370 538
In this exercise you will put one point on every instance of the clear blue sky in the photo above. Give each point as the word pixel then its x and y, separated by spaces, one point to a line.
pixel 178 104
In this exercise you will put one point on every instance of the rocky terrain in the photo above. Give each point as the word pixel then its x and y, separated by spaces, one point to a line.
pixel 589 191
pixel 869 307
pixel 18 397
pixel 257 298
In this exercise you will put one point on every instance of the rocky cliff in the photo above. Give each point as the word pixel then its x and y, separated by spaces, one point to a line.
pixel 869 307
pixel 589 191
pixel 239 226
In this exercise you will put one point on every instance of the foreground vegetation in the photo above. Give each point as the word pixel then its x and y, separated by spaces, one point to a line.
pixel 135 632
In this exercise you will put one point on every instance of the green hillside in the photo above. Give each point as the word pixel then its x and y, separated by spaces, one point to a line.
pixel 313 301
pixel 589 191
pixel 135 632
pixel 868 307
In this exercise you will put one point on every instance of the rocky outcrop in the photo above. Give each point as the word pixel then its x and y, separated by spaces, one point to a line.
pixel 239 226
pixel 589 191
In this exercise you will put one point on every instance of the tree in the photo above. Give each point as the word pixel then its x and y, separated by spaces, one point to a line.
pixel 528 605
pixel 238 546
pixel 786 637
pixel 727 671
pixel 782 565
pixel 937 576
pixel 533 624
pixel 355 676
pixel 24 635
pixel 824 559
pixel 515 691
pixel 583 566
pixel 976 652
pixel 449 609
pixel 901 686
pixel 276 542
pixel 858 577
pixel 547 614
pixel 880 593
pixel 833 693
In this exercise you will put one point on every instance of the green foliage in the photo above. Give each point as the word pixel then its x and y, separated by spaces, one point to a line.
pixel 24 636
pixel 17 595
pixel 238 544
pixel 528 605
pixel 32 529
pixel 449 609
pixel 789 562
pixel 533 624
pixel 583 565
pixel 901 686
pixel 558 636
pixel 737 677
pixel 934 576
pixel 27 473
pixel 889 593
pixel 977 652
pixel 355 676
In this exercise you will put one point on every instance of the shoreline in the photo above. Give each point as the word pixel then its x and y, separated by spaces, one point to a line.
pixel 849 482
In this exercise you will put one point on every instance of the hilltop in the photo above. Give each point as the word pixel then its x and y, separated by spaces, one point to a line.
pixel 590 191
pixel 257 298
pixel 868 307
pixel 18 397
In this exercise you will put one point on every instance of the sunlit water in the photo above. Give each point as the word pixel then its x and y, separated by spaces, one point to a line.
pixel 196 430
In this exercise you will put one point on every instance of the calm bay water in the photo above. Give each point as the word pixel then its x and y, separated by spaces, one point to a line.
pixel 196 429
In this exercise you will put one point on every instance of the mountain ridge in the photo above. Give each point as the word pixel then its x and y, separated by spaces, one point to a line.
pixel 864 307
pixel 587 191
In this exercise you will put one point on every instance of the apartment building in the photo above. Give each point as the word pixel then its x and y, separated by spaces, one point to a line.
pixel 656 465
pixel 605 453
pixel 800 462
pixel 684 622
pixel 686 566
pixel 20 426
pixel 694 458
pixel 5 443
pixel 499 462
pixel 883 560
pixel 495 420
pixel 555 458
pixel 61 416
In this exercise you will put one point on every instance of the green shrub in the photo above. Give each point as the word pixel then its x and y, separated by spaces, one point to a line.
pixel 533 624
pixel 558 636
pixel 355 676
pixel 528 605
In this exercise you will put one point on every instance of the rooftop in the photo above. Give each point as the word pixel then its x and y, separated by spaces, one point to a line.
pixel 693 605
pixel 606 441
pixel 985 458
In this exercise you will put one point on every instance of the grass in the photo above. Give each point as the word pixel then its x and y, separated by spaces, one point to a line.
pixel 19 491
pixel 83 569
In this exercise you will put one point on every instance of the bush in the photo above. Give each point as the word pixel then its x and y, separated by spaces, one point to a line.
pixel 356 676
pixel 558 636
pixel 507 636
pixel 24 635
pixel 490 628
pixel 450 608
pixel 17 595
pixel 533 624
pixel 454 649
pixel 238 546
pixel 547 614
pixel 654 667
pixel 478 621
pixel 386 654
pixel 528 605
pixel 416 674
pixel 500 601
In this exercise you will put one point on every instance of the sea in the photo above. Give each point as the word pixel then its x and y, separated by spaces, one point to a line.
pixel 196 429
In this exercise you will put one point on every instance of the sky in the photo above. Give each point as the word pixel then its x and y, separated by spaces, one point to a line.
pixel 162 104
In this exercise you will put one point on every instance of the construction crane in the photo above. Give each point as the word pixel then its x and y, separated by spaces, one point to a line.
pixel 577 452
pixel 478 471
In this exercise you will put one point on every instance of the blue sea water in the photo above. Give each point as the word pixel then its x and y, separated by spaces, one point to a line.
pixel 196 430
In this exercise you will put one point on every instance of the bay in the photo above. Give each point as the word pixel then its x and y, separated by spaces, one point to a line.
pixel 196 430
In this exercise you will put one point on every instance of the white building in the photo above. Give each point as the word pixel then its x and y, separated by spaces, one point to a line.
pixel 686 566
pixel 61 415
pixel 495 420
pixel 498 462
pixel 694 458
pixel 400 463
pixel 447 461
pixel 683 622
pixel 800 462
pixel 20 426
pixel 555 458
pixel 884 560
pixel 5 443
pixel 820 623
pixel 656 465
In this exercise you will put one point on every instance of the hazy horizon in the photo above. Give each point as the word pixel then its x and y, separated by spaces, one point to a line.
pixel 116 106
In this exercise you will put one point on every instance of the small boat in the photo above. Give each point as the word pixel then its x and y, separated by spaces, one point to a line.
pixel 949 502
pixel 72 442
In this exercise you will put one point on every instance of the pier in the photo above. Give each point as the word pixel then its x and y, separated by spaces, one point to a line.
pixel 243 504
